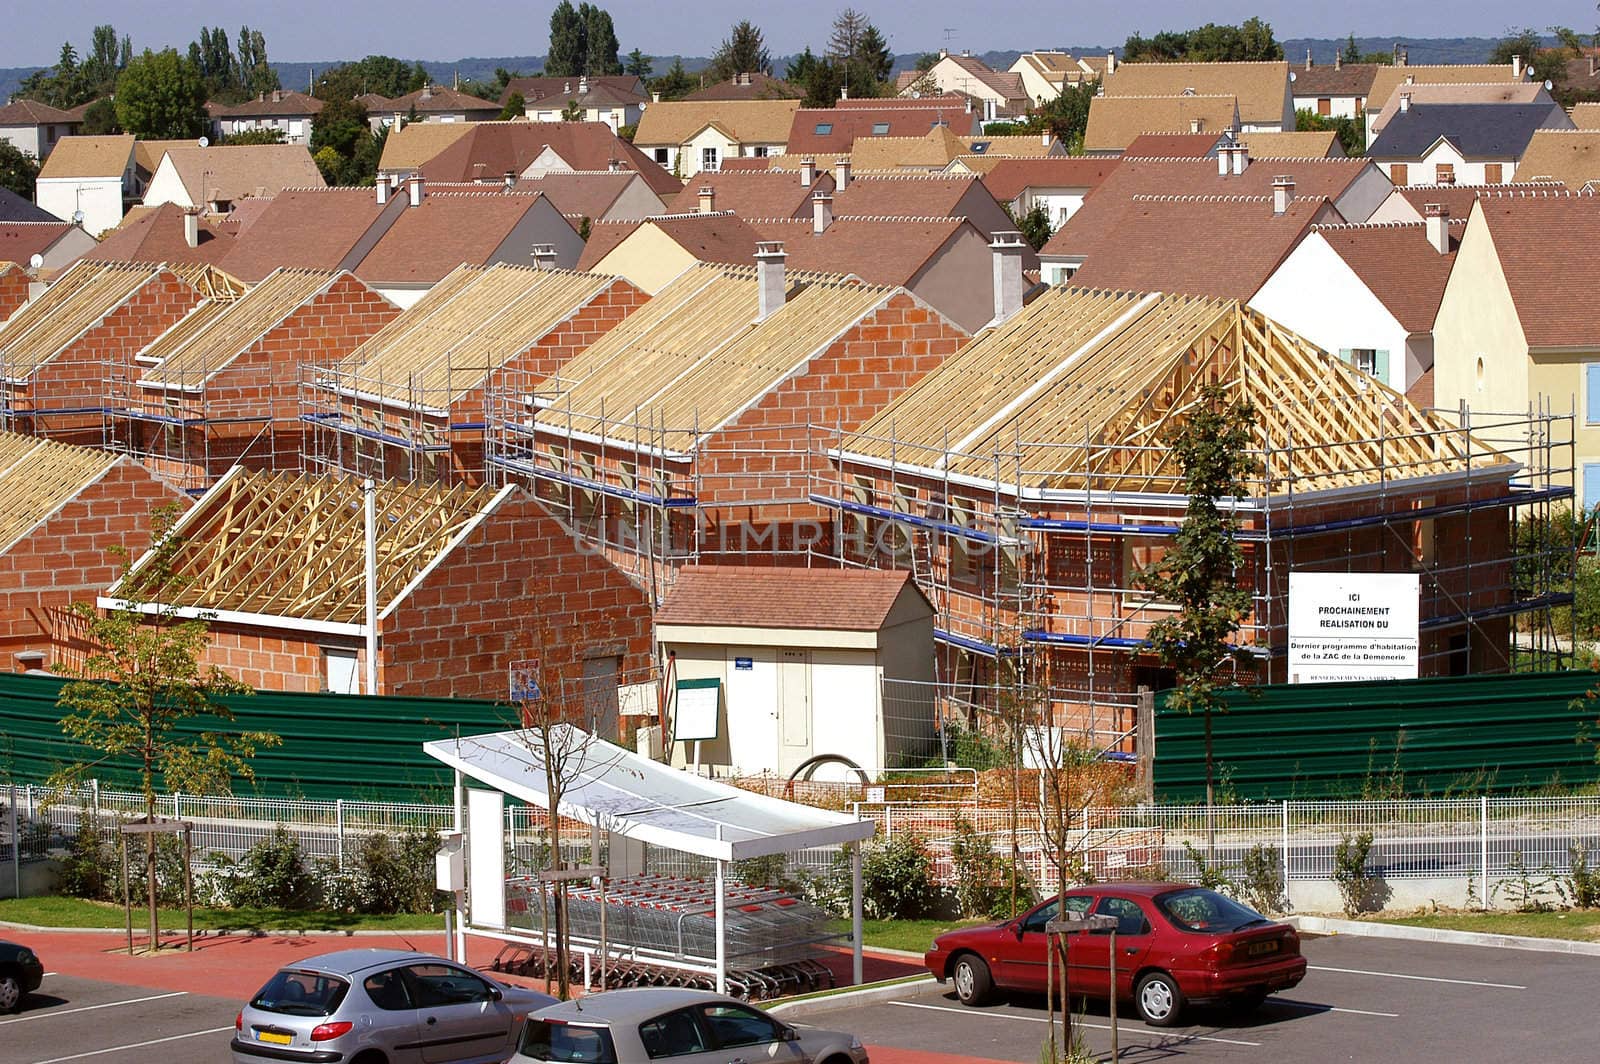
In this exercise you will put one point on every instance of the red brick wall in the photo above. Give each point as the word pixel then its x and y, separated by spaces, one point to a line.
pixel 271 659
pixel 64 559
pixel 13 291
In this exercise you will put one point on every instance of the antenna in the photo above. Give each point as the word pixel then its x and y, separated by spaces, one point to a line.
pixel 949 34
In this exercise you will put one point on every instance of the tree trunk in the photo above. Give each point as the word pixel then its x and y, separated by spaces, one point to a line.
pixel 150 873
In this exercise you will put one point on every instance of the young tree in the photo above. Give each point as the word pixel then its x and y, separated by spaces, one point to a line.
pixel 861 53
pixel 638 65
pixel 743 51
pixel 1200 572
pixel 1352 54
pixel 19 171
pixel 1034 225
pixel 1352 132
pixel 599 42
pixel 567 46
pixel 675 84
pixel 142 683
pixel 100 118
pixel 255 136
pixel 255 72
pixel 516 107
pixel 161 96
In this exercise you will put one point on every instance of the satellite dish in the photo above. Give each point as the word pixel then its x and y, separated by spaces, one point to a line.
pixel 205 142
pixel 36 260
pixel 1292 76
pixel 1547 85
pixel 77 217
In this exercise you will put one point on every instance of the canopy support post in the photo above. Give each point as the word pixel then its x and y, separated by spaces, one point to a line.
pixel 722 923
pixel 855 913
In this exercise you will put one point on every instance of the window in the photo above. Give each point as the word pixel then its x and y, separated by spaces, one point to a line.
pixel 1324 106
pixel 436 985
pixel 1444 174
pixel 708 158
pixel 1399 174
pixel 661 157
pixel 297 127
pixel 1591 485
pixel 1374 362
pixel 569 1043
pixel 1036 920
pixel 1198 909
pixel 388 991
pixel 672 1035
pixel 447 118
pixel 301 994
pixel 739 1025
pixel 824 128
pixel 1493 174
pixel 880 128
pixel 1591 393
pixel 759 152
pixel 340 674
pixel 1130 918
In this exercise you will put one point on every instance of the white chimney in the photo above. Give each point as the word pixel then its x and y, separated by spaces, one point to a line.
pixel 414 189
pixel 808 172
pixel 1516 68
pixel 544 256
pixel 1225 160
pixel 1241 159
pixel 655 97
pixel 821 212
pixel 1594 65
pixel 844 93
pixel 1310 63
pixel 1111 62
pixel 841 173
pixel 1282 193
pixel 382 189
pixel 509 180
pixel 1405 101
pixel 1436 217
pixel 583 85
pixel 1007 254
pixel 277 95
pixel 1046 137
pixel 769 277
pixel 1194 125
pixel 191 227
pixel 1338 60
pixel 708 199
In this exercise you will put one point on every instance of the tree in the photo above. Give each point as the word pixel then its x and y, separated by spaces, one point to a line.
pixel 161 96
pixel 254 71
pixel 1066 116
pixel 1352 132
pixel 638 65
pixel 1199 572
pixel 599 42
pixel 675 84
pixel 516 107
pixel 567 48
pixel 927 61
pixel 572 112
pixel 100 118
pixel 859 51
pixel 18 170
pixel 100 68
pixel 340 127
pixel 743 51
pixel 255 136
pixel 1352 54
pixel 1034 225
pixel 141 685
pixel 1212 43
pixel 818 79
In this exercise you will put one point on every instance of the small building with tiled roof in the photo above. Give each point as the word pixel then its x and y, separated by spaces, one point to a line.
pixel 1518 326
pixel 687 136
pixel 1262 89
pixel 1177 145
pixel 752 85
pixel 35 128
pixel 289 113
pixel 486 152
pixel 1333 90
pixel 314 229
pixel 431 103
pixel 1000 94
pixel 1369 293
pixel 1116 121
pixel 1571 156
pixel 167 233
pixel 1505 92
pixel 1056 186
pixel 837 130
pixel 1473 143
pixel 1046 74
pixel 1406 203
pixel 214 178
pixel 1387 78
pixel 88 180
pixel 775 666
pixel 58 244
pixel 615 100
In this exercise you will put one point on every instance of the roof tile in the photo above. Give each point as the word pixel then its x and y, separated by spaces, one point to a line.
pixel 850 600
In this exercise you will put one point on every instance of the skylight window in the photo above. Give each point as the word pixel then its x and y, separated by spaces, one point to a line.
pixel 979 147
pixel 824 128
pixel 879 128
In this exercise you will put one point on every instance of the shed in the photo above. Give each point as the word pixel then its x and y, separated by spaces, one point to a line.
pixel 799 662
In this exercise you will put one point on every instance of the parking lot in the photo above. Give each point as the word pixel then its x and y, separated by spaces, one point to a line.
pixel 1363 1000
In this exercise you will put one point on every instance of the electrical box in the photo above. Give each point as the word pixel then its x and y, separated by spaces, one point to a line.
pixel 450 867
pixel 648 742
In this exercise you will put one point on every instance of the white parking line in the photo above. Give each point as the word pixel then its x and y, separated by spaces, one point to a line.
pixel 1076 1023
pixel 91 1008
pixel 135 1045
pixel 1330 1008
pixel 1418 978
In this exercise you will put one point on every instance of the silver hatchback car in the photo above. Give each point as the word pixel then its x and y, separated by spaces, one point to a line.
pixel 381 1006
pixel 689 1026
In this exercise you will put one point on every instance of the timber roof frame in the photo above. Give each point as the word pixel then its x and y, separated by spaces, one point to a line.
pixel 38 477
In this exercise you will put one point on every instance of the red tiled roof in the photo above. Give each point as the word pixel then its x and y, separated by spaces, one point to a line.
pixel 449 228
pixel 437 99
pixel 1546 243
pixel 1347 79
pixel 883 251
pixel 580 194
pixel 1171 146
pixel 851 600
pixel 754 86
pixel 1007 180
pixel 1398 265
pixel 282 103
pixel 20 241
pixel 306 228
pixel 622 86
pixel 156 235
pixel 1458 199
pixel 603 239
pixel 845 124
pixel 753 193
pixel 488 150
pixel 32 113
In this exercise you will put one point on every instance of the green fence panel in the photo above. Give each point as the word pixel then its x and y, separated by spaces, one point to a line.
pixel 334 746
pixel 1416 738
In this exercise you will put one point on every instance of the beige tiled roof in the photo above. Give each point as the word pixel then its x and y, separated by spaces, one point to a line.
pixel 846 600
pixel 671 123
pixel 88 157
pixel 1571 156
pixel 239 171
pixel 933 151
pixel 1311 145
pixel 1259 87
pixel 1114 121
pixel 1453 92
pixel 1387 78
pixel 1586 115
pixel 38 477
pixel 409 148
pixel 147 154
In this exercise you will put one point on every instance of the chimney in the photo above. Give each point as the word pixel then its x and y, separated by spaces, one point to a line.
pixel 1516 68
pixel 277 95
pixel 191 227
pixel 510 180
pixel 1310 63
pixel 808 172
pixel 1405 102
pixel 1282 193
pixel 1224 160
pixel 1194 125
pixel 769 277
pixel 1338 60
pixel 841 173
pixel 615 166
pixel 744 79
pixel 1007 253
pixel 1241 159
pixel 821 212
pixel 1046 137
pixel 844 93
pixel 1594 65
pixel 382 188
pixel 1111 62
pixel 1405 57
pixel 655 97
pixel 708 199
pixel 1411 79
pixel 414 189
pixel 544 256
pixel 1436 217
pixel 583 85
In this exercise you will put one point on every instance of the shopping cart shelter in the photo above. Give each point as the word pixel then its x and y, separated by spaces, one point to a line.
pixel 637 926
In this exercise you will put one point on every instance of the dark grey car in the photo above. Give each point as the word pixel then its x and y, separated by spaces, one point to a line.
pixel 381 1006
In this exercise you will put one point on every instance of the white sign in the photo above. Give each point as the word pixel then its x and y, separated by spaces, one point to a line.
pixel 1353 626
pixel 696 716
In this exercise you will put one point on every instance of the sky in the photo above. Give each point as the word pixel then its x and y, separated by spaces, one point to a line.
pixel 302 31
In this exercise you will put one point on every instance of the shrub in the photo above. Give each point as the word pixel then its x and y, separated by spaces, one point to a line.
pixel 271 875
pixel 394 874
pixel 1213 875
pixel 1583 880
pixel 1530 891
pixel 92 866
pixel 1261 879
pixel 1355 880
pixel 984 880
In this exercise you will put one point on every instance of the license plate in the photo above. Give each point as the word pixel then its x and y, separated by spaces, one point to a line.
pixel 1258 948
pixel 274 1037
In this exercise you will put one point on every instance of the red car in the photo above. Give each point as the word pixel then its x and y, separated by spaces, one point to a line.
pixel 1175 944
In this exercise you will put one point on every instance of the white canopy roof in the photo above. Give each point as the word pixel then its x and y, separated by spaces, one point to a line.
pixel 645 800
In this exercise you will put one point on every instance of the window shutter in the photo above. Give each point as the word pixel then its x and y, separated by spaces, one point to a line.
pixel 1591 485
pixel 1381 368
pixel 1591 394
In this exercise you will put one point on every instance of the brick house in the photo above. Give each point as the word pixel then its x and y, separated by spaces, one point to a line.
pixel 468 581
pixel 61 509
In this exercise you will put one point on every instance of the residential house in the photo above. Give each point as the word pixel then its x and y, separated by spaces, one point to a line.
pixel 1571 156
pixel 63 511
pixel 999 94
pixel 57 244
pixel 1582 74
pixel 167 233
pixel 1407 94
pixel 468 582
pixel 215 178
pixel 34 128
pixel 1473 143
pixel 1046 74
pixel 1116 121
pixel 88 181
pixel 751 85
pixel 1516 327
pixel 1262 89
pixel 1178 145
pixel 615 100
pixel 315 229
pixel 598 195
pixel 222 387
pixel 289 113
pixel 490 152
pixel 407 148
pixel 687 136
pixel 941 150
pixel 147 156
pixel 1056 186
pixel 409 402
pixel 1370 294
pixel 835 130
pixel 13 208
pixel 1337 91
pixel 1387 79
pixel 1308 145
pixel 431 103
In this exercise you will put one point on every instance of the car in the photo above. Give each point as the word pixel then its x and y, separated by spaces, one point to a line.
pixel 1176 944
pixel 690 1026
pixel 381 1006
pixel 21 972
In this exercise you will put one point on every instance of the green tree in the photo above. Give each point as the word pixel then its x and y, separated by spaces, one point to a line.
pixel 255 136
pixel 675 84
pixel 1352 54
pixel 100 118
pixel 743 51
pixel 1034 225
pixel 136 692
pixel 1066 116
pixel 515 107
pixel 599 42
pixel 161 96
pixel 1200 571
pixel 18 170
pixel 567 47
pixel 381 74
pixel 573 112
pixel 1352 132
pixel 860 52
pixel 638 65
pixel 339 126
pixel 927 61
pixel 1212 43
pixel 255 72
pixel 100 68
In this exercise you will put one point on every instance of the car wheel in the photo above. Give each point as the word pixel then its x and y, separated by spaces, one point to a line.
pixel 972 980
pixel 10 992
pixel 371 1056
pixel 1158 999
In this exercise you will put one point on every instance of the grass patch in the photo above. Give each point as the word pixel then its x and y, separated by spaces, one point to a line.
pixel 912 935
pixel 78 912
pixel 1582 925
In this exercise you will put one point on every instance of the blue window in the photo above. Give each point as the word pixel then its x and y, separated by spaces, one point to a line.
pixel 879 128
pixel 1591 394
pixel 824 128
pixel 1591 485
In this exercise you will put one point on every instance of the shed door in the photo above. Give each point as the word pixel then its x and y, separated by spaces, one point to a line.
pixel 752 710
pixel 794 708
pixel 600 697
